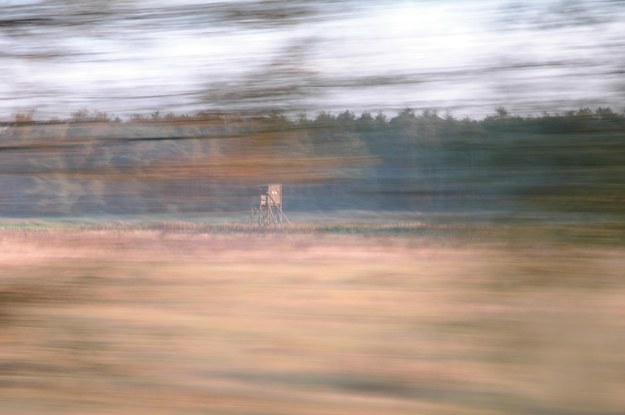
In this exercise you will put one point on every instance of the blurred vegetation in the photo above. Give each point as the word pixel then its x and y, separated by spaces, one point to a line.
pixel 331 320
pixel 92 163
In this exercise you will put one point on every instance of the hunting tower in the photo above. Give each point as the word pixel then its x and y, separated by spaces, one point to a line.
pixel 268 210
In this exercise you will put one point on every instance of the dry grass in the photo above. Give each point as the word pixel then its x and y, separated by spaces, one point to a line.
pixel 135 321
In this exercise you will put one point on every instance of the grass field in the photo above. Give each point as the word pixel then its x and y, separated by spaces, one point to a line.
pixel 341 319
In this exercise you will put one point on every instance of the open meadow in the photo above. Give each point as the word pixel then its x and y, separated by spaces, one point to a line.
pixel 185 319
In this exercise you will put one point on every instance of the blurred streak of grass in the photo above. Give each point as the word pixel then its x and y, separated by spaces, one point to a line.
pixel 186 318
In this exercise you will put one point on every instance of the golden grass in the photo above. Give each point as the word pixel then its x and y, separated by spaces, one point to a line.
pixel 135 321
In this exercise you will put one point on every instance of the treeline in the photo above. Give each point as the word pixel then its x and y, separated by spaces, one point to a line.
pixel 93 163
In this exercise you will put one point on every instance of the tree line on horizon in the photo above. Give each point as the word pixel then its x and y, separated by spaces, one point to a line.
pixel 86 115
pixel 93 163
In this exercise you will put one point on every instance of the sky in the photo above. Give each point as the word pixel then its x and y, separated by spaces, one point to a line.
pixel 457 56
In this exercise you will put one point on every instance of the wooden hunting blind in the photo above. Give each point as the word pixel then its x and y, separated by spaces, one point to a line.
pixel 268 210
pixel 274 194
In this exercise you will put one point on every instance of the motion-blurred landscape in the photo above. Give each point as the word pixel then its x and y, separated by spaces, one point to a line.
pixel 452 175
pixel 555 167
